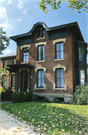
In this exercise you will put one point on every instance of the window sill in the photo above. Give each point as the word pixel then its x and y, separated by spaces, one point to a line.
pixel 24 62
pixel 41 61
pixel 40 38
pixel 65 87
pixel 36 88
pixel 58 59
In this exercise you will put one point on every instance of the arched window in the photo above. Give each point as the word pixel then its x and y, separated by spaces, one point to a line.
pixel 40 78
pixel 59 78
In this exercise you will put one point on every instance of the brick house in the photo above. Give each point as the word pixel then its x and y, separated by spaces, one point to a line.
pixel 50 61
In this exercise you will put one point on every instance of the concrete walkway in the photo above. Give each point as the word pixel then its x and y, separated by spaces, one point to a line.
pixel 10 125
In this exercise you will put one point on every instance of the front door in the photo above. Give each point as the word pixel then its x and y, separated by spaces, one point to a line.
pixel 24 81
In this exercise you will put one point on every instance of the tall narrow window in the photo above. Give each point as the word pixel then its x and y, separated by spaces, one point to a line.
pixel 59 51
pixel 13 80
pixel 43 33
pixel 4 80
pixel 81 54
pixel 4 63
pixel 14 61
pixel 41 53
pixel 59 78
pixel 38 34
pixel 82 76
pixel 40 78
pixel 25 54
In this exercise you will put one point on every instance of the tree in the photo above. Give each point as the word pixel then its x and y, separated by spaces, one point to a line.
pixel 55 4
pixel 4 40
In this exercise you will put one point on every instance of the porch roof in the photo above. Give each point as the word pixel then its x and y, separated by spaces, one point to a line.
pixel 18 66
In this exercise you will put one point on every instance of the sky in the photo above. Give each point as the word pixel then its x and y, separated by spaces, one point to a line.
pixel 19 16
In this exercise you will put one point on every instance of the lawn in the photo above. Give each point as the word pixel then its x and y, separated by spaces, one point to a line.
pixel 52 118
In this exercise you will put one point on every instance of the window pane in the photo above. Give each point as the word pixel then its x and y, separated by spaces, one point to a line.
pixel 62 82
pixel 43 33
pixel 59 51
pixel 40 78
pixel 58 82
pixel 59 78
pixel 61 45
pixel 41 52
pixel 42 74
pixel 82 74
pixel 39 82
pixel 42 83
pixel 39 74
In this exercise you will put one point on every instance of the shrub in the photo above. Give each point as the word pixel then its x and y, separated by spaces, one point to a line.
pixel 2 89
pixel 55 100
pixel 21 97
pixel 15 97
pixel 45 99
pixel 3 96
pixel 26 96
pixel 34 98
pixel 80 94
pixel 7 93
pixel 30 95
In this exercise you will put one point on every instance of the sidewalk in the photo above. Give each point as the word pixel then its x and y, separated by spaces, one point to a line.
pixel 9 125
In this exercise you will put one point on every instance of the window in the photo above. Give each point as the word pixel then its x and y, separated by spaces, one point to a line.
pixel 82 76
pixel 5 63
pixel 40 78
pixel 25 54
pixel 14 61
pixel 59 78
pixel 38 36
pixel 59 51
pixel 43 33
pixel 81 54
pixel 41 53
pixel 13 80
pixel 4 80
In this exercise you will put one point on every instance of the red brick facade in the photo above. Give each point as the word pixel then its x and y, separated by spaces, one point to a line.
pixel 68 63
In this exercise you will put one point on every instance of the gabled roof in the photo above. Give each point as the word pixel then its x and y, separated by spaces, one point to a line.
pixel 72 26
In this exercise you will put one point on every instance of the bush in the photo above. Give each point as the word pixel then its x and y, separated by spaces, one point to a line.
pixel 2 89
pixel 3 96
pixel 45 99
pixel 30 95
pixel 26 96
pixel 7 93
pixel 21 97
pixel 15 97
pixel 34 98
pixel 80 94
pixel 55 100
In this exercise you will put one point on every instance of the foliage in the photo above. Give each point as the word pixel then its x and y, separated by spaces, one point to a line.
pixel 34 98
pixel 26 96
pixel 55 100
pixel 21 97
pixel 4 72
pixel 80 94
pixel 45 99
pixel 52 118
pixel 73 4
pixel 7 93
pixel 2 89
pixel 3 96
pixel 30 95
pixel 4 40
pixel 15 97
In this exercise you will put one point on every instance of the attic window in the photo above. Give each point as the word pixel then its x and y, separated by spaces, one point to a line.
pixel 43 33
pixel 38 36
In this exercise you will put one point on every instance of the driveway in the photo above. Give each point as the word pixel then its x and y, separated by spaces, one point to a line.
pixel 10 125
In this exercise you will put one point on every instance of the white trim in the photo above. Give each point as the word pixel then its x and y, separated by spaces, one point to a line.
pixel 40 67
pixel 24 46
pixel 41 61
pixel 65 87
pixel 40 38
pixel 35 87
pixel 58 59
pixel 24 62
pixel 40 43
pixel 59 40
pixel 59 66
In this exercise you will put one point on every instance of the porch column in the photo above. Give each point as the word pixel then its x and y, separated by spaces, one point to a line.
pixel 17 81
pixel 23 78
pixel 10 81
pixel 29 80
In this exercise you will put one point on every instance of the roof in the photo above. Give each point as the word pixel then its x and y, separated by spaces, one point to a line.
pixel 73 26
pixel 13 55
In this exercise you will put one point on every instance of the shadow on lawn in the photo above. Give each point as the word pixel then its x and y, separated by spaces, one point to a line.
pixel 51 118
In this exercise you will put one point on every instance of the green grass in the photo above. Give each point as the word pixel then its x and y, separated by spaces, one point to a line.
pixel 52 118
